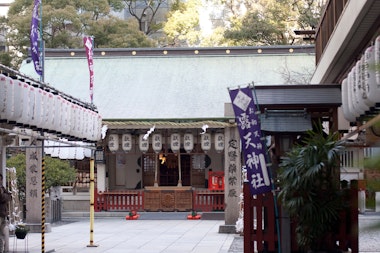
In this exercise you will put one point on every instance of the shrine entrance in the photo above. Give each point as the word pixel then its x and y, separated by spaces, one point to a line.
pixel 169 172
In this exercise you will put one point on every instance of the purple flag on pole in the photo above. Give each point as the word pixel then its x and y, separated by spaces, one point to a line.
pixel 34 38
pixel 252 145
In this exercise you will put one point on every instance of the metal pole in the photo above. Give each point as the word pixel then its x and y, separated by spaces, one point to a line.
pixel 92 201
pixel 43 201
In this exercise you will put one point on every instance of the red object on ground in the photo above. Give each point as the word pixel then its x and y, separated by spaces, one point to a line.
pixel 191 217
pixel 132 215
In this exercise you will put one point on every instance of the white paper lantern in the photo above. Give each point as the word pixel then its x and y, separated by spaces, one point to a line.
pixel 9 99
pixel 98 129
pixel 345 103
pixel 113 142
pixel 32 104
pixel 38 107
pixel 188 142
pixel 25 104
pixel 358 90
pixel 157 142
pixel 65 120
pixel 58 117
pixel 377 59
pixel 73 118
pixel 373 86
pixel 143 143
pixel 206 142
pixel 175 142
pixel 79 122
pixel 3 95
pixel 219 142
pixel 351 97
pixel 17 101
pixel 126 142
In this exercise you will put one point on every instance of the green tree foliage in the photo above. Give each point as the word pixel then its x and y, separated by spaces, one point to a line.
pixel 66 22
pixel 310 188
pixel 182 27
pixel 271 22
pixel 241 22
pixel 57 172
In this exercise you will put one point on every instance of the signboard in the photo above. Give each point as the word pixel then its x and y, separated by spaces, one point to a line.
pixel 250 135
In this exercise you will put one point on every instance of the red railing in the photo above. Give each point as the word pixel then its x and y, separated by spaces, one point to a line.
pixel 119 201
pixel 260 227
pixel 259 221
pixel 207 201
pixel 203 201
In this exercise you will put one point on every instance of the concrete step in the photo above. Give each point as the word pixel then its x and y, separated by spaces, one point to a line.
pixel 143 215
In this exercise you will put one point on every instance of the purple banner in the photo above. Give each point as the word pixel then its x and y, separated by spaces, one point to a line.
pixel 252 145
pixel 34 38
pixel 88 44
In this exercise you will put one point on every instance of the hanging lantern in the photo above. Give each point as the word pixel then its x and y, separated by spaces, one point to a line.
pixel 113 142
pixel 17 102
pixel 143 143
pixel 188 142
pixel 25 104
pixel 126 142
pixel 345 107
pixel 219 142
pixel 206 142
pixel 373 85
pixel 58 124
pixel 175 142
pixel 3 95
pixel 157 142
pixel 9 100
pixel 32 105
pixel 98 127
pixel 377 59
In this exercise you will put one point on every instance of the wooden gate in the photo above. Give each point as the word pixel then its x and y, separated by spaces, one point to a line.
pixel 260 228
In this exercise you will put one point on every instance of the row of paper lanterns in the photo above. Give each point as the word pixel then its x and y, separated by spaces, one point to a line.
pixel 361 87
pixel 24 104
pixel 176 140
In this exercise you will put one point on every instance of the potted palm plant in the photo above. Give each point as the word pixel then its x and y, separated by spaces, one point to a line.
pixel 310 189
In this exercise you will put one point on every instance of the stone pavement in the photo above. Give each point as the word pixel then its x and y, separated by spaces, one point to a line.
pixel 157 233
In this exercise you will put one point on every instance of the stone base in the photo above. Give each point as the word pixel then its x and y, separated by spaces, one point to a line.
pixel 227 229
pixel 213 216
pixel 36 227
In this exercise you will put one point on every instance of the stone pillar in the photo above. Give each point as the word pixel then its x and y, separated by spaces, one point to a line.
pixel 377 199
pixel 232 175
pixel 33 192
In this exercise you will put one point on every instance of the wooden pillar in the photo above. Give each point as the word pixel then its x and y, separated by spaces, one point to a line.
pixel 156 172
pixel 179 170
pixel 248 219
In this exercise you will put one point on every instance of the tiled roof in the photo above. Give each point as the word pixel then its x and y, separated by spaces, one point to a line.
pixel 175 87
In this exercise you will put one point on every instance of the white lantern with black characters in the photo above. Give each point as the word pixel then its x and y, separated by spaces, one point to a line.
pixel 219 142
pixel 175 142
pixel 113 142
pixel 157 142
pixel 188 142
pixel 126 142
pixel 206 142
pixel 143 143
